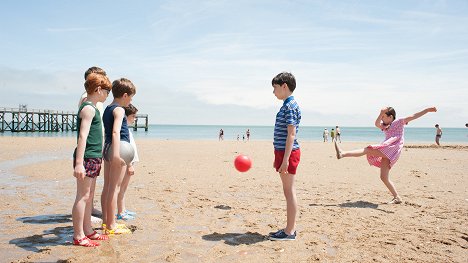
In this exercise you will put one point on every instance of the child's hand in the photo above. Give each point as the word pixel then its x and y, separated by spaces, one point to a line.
pixel 432 109
pixel 79 172
pixel 131 170
pixel 283 168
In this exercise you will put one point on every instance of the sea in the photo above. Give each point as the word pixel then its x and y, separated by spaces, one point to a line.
pixel 265 133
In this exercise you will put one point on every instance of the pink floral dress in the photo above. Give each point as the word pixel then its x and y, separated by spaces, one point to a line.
pixel 391 146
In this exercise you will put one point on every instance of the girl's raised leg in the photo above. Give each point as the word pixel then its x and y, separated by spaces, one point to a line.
pixel 357 153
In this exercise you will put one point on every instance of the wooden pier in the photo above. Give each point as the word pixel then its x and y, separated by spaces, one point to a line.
pixel 27 120
pixel 141 124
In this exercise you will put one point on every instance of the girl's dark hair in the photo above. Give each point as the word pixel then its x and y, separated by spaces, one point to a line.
pixel 391 112
pixel 285 77
pixel 130 109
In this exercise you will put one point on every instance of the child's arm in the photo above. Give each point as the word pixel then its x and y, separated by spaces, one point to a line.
pixel 419 114
pixel 378 121
pixel 287 151
pixel 118 113
pixel 131 170
pixel 86 115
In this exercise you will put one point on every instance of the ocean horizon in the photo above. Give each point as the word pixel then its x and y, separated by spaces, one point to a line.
pixel 305 133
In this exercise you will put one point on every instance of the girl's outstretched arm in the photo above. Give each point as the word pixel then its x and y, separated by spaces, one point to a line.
pixel 419 114
pixel 378 121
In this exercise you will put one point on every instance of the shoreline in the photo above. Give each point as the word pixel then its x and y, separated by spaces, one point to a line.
pixel 192 205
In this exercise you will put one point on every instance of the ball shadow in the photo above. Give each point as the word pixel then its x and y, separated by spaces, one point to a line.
pixel 235 239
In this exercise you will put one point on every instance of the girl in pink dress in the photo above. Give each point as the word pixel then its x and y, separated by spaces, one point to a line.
pixel 385 154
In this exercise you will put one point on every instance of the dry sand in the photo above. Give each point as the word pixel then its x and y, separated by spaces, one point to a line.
pixel 193 206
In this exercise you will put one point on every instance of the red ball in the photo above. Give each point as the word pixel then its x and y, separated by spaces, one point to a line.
pixel 242 163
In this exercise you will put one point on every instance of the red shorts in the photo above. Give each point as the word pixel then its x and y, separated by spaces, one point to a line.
pixel 294 160
pixel 92 166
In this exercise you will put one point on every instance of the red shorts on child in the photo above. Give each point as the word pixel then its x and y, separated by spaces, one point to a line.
pixel 294 160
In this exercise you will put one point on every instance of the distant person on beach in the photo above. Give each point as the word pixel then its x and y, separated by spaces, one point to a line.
pixel 221 135
pixel 438 134
pixel 248 134
pixel 338 134
pixel 238 137
pixel 87 159
pixel 386 154
pixel 116 130
pixel 325 135
pixel 287 151
pixel 332 135
pixel 122 212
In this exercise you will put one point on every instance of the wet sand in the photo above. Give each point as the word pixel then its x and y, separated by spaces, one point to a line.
pixel 193 206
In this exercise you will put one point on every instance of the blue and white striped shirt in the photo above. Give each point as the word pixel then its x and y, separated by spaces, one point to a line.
pixel 289 114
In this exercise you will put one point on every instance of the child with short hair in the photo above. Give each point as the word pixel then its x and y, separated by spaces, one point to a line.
pixel 116 130
pixel 122 212
pixel 287 152
pixel 386 154
pixel 87 160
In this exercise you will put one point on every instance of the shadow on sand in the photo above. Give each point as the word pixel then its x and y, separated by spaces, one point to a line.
pixel 52 237
pixel 46 219
pixel 235 239
pixel 356 204
pixel 57 236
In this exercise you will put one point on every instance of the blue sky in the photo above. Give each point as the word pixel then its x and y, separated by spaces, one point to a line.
pixel 211 62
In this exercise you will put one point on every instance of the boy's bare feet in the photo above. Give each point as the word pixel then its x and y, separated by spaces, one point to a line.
pixel 395 200
pixel 338 151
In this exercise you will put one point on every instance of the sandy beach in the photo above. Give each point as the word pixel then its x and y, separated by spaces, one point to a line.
pixel 193 206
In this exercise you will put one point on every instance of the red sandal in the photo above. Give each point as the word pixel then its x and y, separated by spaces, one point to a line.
pixel 90 243
pixel 101 237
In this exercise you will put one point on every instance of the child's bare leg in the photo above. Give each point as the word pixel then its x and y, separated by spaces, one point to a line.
pixel 437 140
pixel 87 226
pixel 291 202
pixel 79 207
pixel 116 175
pixel 105 191
pixel 357 153
pixel 121 197
pixel 384 176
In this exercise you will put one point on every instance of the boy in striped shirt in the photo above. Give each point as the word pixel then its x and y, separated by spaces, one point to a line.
pixel 287 152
